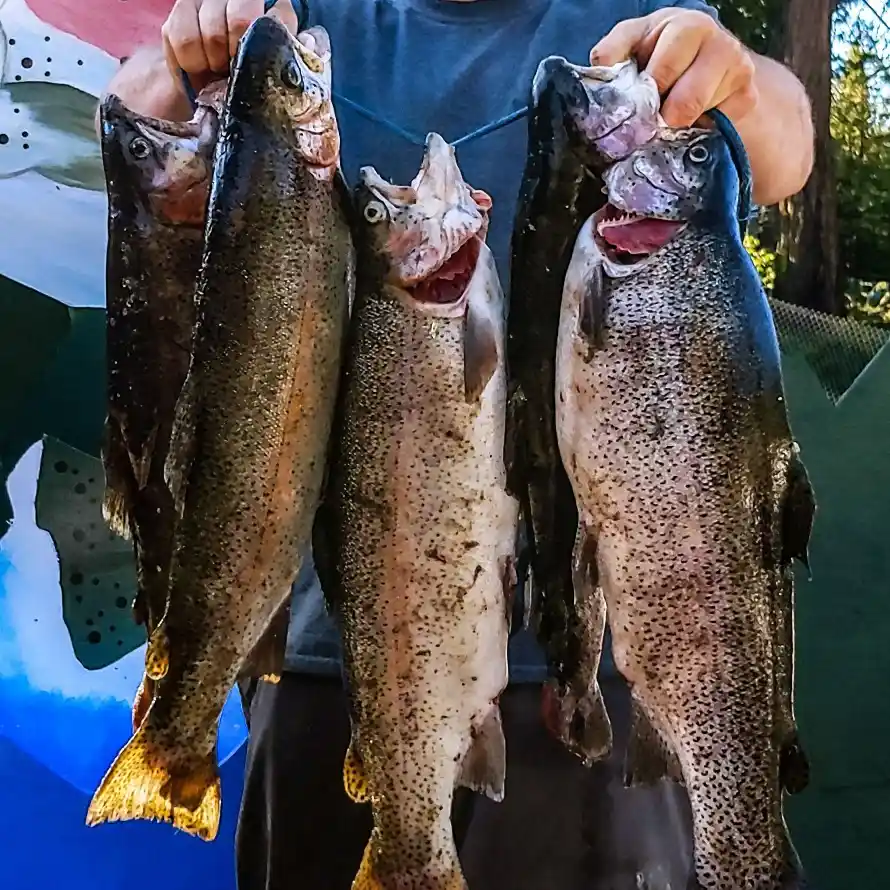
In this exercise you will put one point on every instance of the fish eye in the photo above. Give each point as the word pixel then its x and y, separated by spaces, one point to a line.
pixel 374 212
pixel 139 148
pixel 291 75
pixel 698 154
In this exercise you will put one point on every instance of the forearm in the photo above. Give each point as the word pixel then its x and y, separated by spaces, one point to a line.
pixel 778 133
pixel 145 86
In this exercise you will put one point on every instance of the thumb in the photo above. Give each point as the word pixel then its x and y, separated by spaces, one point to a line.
pixel 619 44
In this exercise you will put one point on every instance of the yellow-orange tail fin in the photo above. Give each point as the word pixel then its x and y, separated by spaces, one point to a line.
pixel 141 785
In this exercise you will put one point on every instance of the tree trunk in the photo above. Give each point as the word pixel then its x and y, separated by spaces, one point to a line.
pixel 808 272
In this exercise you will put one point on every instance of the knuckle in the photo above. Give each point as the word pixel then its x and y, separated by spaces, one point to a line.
pixel 666 73
pixel 187 42
pixel 239 22
pixel 748 98
pixel 688 107
pixel 217 41
pixel 699 19
pixel 746 66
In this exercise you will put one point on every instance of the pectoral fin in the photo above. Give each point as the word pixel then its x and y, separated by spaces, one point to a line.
pixel 116 462
pixel 266 662
pixel 649 757
pixel 481 352
pixel 183 441
pixel 355 779
pixel 798 513
pixel 574 708
pixel 592 310
pixel 485 765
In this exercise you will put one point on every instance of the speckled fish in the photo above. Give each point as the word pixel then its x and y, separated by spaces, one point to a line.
pixel 692 496
pixel 417 533
pixel 158 180
pixel 250 435
pixel 581 119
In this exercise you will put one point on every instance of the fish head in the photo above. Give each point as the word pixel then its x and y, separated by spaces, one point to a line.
pixel 609 109
pixel 681 177
pixel 156 168
pixel 290 77
pixel 426 237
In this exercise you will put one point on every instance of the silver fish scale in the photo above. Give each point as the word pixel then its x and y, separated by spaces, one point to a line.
pixel 426 529
pixel 679 457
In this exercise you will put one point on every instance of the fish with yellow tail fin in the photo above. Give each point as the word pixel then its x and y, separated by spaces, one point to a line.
pixel 158 180
pixel 415 538
pixel 250 435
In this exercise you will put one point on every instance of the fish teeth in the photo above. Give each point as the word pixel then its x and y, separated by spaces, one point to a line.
pixel 621 220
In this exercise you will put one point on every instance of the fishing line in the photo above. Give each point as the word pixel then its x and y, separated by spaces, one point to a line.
pixel 724 125
pixel 301 7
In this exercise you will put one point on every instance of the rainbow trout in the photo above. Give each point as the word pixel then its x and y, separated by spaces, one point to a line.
pixel 158 180
pixel 250 435
pixel 581 119
pixel 417 533
pixel 693 500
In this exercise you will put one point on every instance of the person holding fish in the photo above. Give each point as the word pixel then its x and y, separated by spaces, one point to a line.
pixel 461 68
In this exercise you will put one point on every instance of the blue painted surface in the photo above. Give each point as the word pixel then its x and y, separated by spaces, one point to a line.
pixel 60 728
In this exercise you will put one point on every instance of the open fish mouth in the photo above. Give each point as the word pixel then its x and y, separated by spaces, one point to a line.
pixel 447 283
pixel 628 238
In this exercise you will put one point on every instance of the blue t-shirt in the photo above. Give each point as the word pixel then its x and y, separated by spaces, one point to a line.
pixel 451 67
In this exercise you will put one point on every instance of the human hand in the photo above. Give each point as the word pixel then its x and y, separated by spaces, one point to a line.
pixel 693 59
pixel 201 36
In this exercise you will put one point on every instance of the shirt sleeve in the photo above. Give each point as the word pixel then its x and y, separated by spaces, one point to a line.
pixel 700 5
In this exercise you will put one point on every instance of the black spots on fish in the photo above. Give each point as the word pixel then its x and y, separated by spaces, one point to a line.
pixel 434 553
pixel 698 262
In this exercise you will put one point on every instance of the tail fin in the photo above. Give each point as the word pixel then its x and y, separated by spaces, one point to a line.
pixel 442 876
pixel 141 785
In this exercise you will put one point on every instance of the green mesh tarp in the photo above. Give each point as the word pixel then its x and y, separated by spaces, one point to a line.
pixel 837 379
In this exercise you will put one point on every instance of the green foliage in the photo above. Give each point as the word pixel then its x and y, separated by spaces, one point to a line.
pixel 757 23
pixel 860 126
pixel 869 302
pixel 764 260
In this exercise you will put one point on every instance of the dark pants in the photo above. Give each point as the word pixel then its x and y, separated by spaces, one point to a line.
pixel 560 827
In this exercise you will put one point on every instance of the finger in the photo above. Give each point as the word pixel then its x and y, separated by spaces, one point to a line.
pixel 215 34
pixel 285 13
pixel 695 91
pixel 240 15
pixel 182 38
pixel 619 44
pixel 673 54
